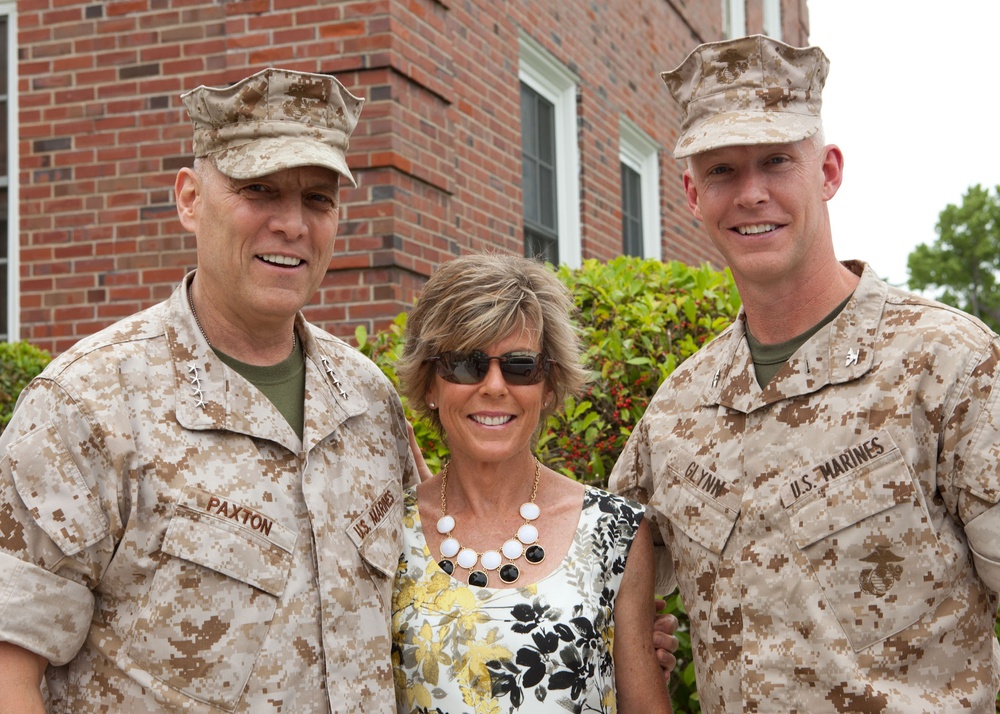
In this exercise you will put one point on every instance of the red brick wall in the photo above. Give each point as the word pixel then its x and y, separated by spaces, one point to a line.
pixel 437 153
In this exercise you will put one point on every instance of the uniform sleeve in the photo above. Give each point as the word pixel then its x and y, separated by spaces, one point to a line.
pixel 410 477
pixel 983 533
pixel 54 535
pixel 632 477
pixel 971 459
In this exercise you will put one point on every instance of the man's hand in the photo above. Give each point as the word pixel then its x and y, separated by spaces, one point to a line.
pixel 664 642
pixel 422 471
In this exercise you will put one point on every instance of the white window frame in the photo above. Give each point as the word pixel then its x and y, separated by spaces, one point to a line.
pixel 641 154
pixel 551 79
pixel 13 298
pixel 772 18
pixel 734 18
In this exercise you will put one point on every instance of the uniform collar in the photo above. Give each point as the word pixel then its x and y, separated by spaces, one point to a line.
pixel 210 395
pixel 842 351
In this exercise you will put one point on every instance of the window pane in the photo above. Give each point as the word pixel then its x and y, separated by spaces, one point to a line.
pixel 3 54
pixel 3 313
pixel 772 18
pixel 4 245
pixel 4 285
pixel 6 299
pixel 537 246
pixel 546 131
pixel 547 198
pixel 631 212
pixel 529 122
pixel 3 136
pixel 538 176
pixel 529 189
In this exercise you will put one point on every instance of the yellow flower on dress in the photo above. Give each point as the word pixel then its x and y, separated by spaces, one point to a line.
pixel 428 651
pixel 418 694
pixel 412 594
pixel 459 604
pixel 474 677
pixel 481 705
pixel 608 633
pixel 609 701
pixel 402 594
pixel 472 670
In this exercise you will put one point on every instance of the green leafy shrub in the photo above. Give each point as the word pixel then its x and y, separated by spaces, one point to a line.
pixel 384 349
pixel 19 363
pixel 639 319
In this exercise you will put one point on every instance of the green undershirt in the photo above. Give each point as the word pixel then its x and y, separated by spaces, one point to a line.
pixel 768 359
pixel 283 383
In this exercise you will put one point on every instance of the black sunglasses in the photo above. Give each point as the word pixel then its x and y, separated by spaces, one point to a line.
pixel 519 368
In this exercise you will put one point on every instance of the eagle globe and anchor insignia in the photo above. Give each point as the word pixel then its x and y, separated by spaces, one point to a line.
pixel 736 63
pixel 879 580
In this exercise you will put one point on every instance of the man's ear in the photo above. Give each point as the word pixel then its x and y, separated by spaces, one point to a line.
pixel 833 170
pixel 187 189
pixel 691 191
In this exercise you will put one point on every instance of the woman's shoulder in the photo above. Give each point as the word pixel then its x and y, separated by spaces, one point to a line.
pixel 609 525
pixel 613 504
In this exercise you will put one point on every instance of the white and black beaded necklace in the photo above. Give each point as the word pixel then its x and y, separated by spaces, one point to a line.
pixel 524 542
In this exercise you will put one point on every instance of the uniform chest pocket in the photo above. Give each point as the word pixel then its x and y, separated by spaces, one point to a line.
pixel 377 532
pixel 697 505
pixel 211 603
pixel 871 546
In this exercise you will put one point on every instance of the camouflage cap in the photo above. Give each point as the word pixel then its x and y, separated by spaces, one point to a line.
pixel 752 90
pixel 273 120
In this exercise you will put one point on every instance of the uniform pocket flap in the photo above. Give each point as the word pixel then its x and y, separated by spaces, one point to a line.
pixel 698 501
pixel 49 482
pixel 376 532
pixel 700 518
pixel 243 553
pixel 880 485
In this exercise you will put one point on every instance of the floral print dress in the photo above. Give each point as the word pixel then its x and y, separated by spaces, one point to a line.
pixel 544 647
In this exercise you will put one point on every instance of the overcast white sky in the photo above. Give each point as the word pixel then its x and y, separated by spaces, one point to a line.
pixel 912 100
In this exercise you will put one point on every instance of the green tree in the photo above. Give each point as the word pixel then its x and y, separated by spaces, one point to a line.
pixel 963 264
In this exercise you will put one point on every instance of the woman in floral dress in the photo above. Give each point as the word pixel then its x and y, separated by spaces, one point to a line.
pixel 519 589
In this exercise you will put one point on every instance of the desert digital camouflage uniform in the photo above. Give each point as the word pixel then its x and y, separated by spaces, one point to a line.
pixel 820 530
pixel 168 543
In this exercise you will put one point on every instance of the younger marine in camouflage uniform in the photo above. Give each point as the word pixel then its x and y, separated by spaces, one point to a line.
pixel 833 528
pixel 170 539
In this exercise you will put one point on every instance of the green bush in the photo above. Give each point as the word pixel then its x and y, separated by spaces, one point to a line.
pixel 19 363
pixel 385 349
pixel 639 319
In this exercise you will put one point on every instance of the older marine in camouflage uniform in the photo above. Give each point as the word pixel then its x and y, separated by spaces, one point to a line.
pixel 834 533
pixel 168 541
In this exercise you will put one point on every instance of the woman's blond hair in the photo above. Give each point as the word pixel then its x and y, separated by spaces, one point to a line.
pixel 474 301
